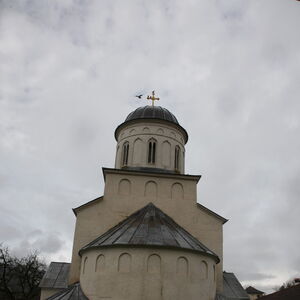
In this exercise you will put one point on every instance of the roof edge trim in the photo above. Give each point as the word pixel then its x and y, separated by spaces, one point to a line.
pixel 224 220
pixel 152 174
pixel 186 136
pixel 214 256
pixel 85 204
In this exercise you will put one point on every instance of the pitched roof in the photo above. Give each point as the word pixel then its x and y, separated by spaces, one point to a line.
pixel 76 209
pixel 149 226
pixel 291 293
pixel 251 290
pixel 232 289
pixel 56 276
pixel 212 213
pixel 73 292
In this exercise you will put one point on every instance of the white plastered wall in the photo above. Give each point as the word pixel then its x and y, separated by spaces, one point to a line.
pixel 147 273
pixel 126 192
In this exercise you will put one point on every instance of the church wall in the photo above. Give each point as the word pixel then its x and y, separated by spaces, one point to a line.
pixel 126 193
pixel 138 135
pixel 147 273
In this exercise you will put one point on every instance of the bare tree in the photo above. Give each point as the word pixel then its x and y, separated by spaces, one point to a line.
pixel 20 277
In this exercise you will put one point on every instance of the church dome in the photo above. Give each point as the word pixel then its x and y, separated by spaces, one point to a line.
pixel 152 112
pixel 149 113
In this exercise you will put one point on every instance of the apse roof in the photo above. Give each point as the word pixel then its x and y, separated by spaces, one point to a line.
pixel 73 292
pixel 150 112
pixel 149 226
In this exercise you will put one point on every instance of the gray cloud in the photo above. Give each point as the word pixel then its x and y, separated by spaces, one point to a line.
pixel 229 71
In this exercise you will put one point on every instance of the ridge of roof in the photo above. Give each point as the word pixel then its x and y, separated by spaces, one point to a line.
pixel 149 226
pixel 224 220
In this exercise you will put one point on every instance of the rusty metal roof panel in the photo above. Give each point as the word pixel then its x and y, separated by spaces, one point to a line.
pixel 149 226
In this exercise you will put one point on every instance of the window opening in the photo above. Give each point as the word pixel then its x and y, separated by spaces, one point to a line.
pixel 151 151
pixel 125 154
pixel 177 156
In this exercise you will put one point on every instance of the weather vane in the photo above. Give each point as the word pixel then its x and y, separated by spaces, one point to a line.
pixel 152 98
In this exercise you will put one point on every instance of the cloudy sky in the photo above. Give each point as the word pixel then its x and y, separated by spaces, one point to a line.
pixel 228 69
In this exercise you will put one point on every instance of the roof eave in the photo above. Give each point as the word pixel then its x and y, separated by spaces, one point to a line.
pixel 184 132
pixel 76 209
pixel 152 174
pixel 222 219
pixel 215 257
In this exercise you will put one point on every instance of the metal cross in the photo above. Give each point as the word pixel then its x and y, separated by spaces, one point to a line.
pixel 152 98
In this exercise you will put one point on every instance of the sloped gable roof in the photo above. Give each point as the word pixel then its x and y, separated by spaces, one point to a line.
pixel 56 276
pixel 232 289
pixel 149 226
pixel 251 290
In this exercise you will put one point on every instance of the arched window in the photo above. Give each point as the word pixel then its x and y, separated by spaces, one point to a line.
pixel 151 151
pixel 125 154
pixel 177 157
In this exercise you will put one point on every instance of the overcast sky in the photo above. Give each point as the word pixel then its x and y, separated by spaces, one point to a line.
pixel 228 69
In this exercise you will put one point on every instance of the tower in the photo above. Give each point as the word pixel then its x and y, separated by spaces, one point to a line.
pixel 147 237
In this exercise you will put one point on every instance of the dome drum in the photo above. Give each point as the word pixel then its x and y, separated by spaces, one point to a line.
pixel 151 137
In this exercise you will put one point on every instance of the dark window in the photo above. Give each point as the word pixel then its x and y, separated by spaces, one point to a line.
pixel 125 154
pixel 151 151
pixel 177 157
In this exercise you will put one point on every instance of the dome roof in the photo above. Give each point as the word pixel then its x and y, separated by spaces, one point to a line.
pixel 150 112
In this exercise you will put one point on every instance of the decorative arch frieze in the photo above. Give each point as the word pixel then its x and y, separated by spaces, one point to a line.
pixel 160 131
pixel 203 270
pixel 132 132
pixel 154 264
pixel 177 191
pixel 100 263
pixel 124 187
pixel 182 266
pixel 150 189
pixel 138 151
pixel 124 263
pixel 166 154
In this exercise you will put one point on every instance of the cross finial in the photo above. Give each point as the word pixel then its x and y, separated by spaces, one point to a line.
pixel 152 98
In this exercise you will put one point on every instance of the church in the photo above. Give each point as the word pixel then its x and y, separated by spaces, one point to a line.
pixel 147 237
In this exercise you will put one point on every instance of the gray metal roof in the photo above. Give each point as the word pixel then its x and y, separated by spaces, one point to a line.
pixel 56 276
pixel 149 226
pixel 73 292
pixel 150 112
pixel 232 289
pixel 251 290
